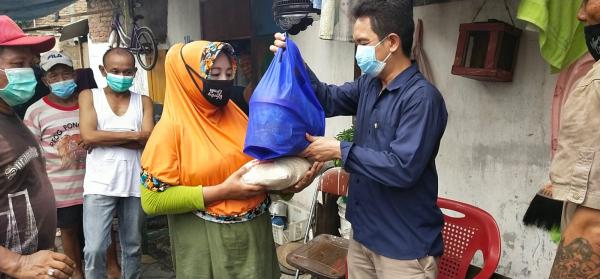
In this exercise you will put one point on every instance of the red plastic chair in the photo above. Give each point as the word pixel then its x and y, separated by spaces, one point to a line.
pixel 464 236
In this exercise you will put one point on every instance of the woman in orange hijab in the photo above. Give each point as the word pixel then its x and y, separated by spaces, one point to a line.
pixel 192 165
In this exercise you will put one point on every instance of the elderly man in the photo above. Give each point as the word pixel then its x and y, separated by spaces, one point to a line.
pixel 27 207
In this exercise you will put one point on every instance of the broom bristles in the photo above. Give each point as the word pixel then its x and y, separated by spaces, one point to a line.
pixel 544 213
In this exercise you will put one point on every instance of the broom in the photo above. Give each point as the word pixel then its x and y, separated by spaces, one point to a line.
pixel 544 212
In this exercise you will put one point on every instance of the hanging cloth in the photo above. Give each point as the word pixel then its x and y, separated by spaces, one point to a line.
pixel 419 55
pixel 336 21
pixel 561 34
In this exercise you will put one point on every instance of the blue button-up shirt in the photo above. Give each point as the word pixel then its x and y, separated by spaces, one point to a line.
pixel 393 179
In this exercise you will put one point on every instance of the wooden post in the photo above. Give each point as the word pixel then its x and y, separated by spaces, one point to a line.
pixel 80 53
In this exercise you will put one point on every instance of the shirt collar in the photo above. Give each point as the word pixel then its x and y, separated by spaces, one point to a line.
pixel 402 79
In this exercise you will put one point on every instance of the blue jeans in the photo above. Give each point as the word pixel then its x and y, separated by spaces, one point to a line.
pixel 97 223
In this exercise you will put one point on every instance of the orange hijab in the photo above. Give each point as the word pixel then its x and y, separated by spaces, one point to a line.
pixel 196 143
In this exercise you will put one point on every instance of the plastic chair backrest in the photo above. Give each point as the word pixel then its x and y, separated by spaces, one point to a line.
pixel 464 236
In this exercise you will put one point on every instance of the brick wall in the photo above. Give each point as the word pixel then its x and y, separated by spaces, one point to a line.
pixel 99 23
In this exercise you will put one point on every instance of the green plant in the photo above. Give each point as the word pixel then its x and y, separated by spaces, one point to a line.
pixel 345 135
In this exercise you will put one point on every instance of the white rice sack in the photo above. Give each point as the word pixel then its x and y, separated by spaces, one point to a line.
pixel 277 174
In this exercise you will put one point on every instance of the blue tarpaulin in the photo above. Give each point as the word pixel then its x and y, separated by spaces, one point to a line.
pixel 31 9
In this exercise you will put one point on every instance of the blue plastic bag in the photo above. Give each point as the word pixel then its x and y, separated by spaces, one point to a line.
pixel 283 108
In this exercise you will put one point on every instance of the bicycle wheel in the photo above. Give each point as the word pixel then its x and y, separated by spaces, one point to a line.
pixel 114 39
pixel 146 48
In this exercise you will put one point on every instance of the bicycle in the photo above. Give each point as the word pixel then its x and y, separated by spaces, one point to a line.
pixel 141 42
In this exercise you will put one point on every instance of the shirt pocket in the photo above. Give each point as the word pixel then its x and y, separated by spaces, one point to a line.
pixel 383 133
pixel 581 175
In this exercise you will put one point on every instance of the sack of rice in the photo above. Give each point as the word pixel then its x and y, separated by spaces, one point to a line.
pixel 277 174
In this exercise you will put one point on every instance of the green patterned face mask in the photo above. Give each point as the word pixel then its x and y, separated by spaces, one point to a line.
pixel 20 87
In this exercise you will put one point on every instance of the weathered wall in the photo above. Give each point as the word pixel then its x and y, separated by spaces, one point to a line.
pixel 99 23
pixel 183 21
pixel 495 152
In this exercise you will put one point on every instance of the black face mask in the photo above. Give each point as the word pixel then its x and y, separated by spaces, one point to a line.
pixel 592 40
pixel 216 92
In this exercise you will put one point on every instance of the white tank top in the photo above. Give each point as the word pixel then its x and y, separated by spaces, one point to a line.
pixel 112 170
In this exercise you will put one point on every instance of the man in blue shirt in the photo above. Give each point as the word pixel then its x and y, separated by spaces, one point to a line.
pixel 400 120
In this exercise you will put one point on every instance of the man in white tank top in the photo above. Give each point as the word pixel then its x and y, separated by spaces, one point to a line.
pixel 115 123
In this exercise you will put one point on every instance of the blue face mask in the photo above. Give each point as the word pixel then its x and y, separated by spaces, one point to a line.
pixel 63 89
pixel 20 87
pixel 118 83
pixel 367 60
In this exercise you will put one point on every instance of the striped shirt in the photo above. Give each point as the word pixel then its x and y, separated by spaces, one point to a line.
pixel 56 128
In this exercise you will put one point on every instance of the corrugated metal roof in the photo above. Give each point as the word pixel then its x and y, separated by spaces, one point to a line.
pixel 31 9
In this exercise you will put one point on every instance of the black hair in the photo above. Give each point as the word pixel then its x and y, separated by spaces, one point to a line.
pixel 389 16
pixel 119 51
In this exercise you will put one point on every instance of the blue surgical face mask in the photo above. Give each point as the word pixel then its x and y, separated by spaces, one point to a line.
pixel 20 87
pixel 118 83
pixel 367 60
pixel 63 89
